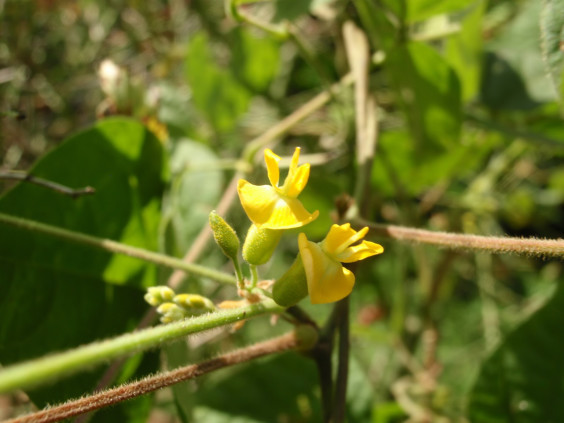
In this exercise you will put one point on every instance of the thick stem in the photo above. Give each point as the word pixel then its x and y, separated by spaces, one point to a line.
pixel 115 247
pixel 43 369
pixel 132 390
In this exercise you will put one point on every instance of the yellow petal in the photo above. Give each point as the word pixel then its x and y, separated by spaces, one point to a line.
pixel 258 201
pixel 340 237
pixel 288 213
pixel 327 279
pixel 360 252
pixel 272 160
pixel 337 236
pixel 295 160
pixel 298 181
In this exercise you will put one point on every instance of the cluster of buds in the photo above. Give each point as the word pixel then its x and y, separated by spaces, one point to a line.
pixel 173 307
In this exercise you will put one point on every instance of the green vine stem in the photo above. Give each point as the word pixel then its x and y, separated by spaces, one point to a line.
pixel 109 397
pixel 492 244
pixel 116 247
pixel 35 372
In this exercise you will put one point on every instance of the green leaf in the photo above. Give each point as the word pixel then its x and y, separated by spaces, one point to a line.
pixel 552 36
pixel 255 59
pixel 523 380
pixel 514 75
pixel 418 10
pixel 215 92
pixel 463 51
pixel 429 92
pixel 283 388
pixel 290 9
pixel 56 295
pixel 196 188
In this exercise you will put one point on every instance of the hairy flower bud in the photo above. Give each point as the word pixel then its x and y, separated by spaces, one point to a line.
pixel 224 236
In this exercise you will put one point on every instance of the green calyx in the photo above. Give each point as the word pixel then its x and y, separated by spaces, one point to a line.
pixel 260 244
pixel 291 287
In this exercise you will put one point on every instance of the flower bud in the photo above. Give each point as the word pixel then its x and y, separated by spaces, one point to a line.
pixel 158 294
pixel 194 304
pixel 170 312
pixel 292 285
pixel 307 337
pixel 260 244
pixel 224 236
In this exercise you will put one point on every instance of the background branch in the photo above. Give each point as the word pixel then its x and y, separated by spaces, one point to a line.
pixel 16 175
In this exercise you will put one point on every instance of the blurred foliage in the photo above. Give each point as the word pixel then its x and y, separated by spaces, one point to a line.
pixel 471 140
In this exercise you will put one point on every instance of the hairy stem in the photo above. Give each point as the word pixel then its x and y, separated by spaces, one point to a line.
pixel 50 367
pixel 492 244
pixel 116 247
pixel 132 390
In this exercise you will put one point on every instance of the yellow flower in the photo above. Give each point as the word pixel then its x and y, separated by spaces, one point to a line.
pixel 273 207
pixel 327 279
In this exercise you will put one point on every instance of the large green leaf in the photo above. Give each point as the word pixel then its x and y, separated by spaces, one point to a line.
pixel 429 91
pixel 552 32
pixel 523 380
pixel 55 295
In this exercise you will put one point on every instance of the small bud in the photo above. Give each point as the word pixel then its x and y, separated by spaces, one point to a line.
pixel 158 294
pixel 194 304
pixel 170 312
pixel 260 244
pixel 224 236
pixel 307 337
pixel 291 288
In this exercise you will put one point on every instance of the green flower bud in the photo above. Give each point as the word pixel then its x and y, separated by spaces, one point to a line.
pixel 291 288
pixel 170 312
pixel 307 337
pixel 194 304
pixel 158 294
pixel 224 236
pixel 260 244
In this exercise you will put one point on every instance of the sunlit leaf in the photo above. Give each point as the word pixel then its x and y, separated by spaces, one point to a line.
pixel 55 295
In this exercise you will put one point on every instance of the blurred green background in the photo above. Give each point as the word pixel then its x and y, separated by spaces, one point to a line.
pixel 153 103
